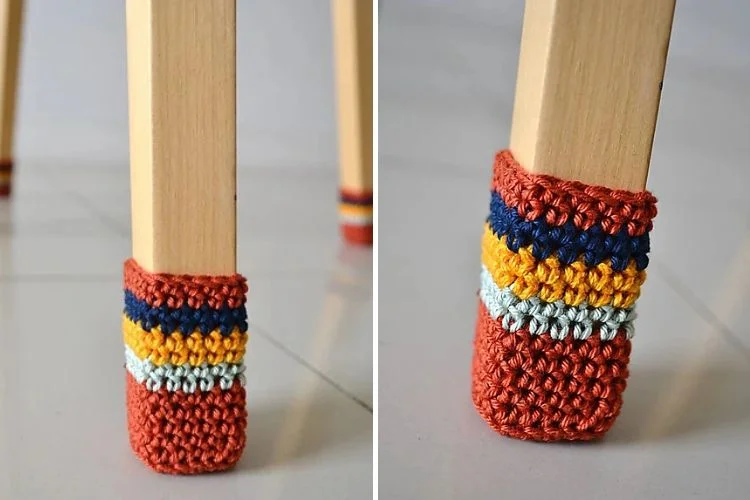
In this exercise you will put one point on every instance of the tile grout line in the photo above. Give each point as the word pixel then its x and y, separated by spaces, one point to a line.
pixel 105 219
pixel 256 330
pixel 697 305
pixel 299 359
pixel 85 203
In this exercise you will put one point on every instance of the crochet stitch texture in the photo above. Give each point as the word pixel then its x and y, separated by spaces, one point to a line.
pixel 562 266
pixel 185 339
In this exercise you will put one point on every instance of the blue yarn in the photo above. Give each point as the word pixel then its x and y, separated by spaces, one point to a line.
pixel 356 200
pixel 185 319
pixel 567 242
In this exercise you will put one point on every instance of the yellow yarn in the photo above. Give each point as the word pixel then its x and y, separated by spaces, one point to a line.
pixel 551 280
pixel 178 349
pixel 356 210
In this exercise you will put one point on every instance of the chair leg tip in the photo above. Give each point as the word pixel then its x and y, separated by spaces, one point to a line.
pixel 180 433
pixel 356 215
pixel 356 234
pixel 552 340
pixel 6 171
pixel 185 339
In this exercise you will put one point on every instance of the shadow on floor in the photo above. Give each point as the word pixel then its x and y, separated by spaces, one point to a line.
pixel 674 404
pixel 315 423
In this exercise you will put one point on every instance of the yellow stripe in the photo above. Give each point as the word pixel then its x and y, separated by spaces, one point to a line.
pixel 348 209
pixel 5 177
pixel 551 280
pixel 178 349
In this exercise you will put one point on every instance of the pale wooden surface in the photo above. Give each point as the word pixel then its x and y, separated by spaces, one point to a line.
pixel 352 34
pixel 588 88
pixel 181 79
pixel 11 20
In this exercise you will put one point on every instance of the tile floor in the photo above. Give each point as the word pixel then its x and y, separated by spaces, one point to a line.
pixel 447 77
pixel 62 433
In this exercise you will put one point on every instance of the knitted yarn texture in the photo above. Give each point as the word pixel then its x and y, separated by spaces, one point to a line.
pixel 185 339
pixel 562 267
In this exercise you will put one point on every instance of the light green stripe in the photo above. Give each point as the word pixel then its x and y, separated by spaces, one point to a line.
pixel 556 318
pixel 185 378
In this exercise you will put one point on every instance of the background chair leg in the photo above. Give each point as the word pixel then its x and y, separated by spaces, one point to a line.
pixel 11 19
pixel 184 303
pixel 564 250
pixel 352 30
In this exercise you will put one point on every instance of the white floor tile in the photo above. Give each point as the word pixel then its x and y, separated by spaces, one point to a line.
pixel 319 317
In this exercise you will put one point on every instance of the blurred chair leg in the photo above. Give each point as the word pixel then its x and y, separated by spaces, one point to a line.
pixel 11 19
pixel 352 34
pixel 564 250
pixel 185 325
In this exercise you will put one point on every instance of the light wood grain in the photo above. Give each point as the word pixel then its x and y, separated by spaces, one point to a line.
pixel 588 88
pixel 11 26
pixel 181 84
pixel 352 30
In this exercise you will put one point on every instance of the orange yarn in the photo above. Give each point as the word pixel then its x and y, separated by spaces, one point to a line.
pixel 356 212
pixel 359 235
pixel 176 290
pixel 543 386
pixel 557 201
pixel 198 321
pixel 181 433
pixel 535 387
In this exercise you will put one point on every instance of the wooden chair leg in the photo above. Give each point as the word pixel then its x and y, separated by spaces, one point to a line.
pixel 11 19
pixel 565 247
pixel 352 30
pixel 183 297
pixel 588 89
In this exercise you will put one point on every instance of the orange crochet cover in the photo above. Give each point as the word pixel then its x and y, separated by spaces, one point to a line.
pixel 562 266
pixel 185 340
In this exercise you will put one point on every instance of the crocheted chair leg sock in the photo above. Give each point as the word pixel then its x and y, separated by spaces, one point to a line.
pixel 562 266
pixel 185 340
pixel 6 176
pixel 355 212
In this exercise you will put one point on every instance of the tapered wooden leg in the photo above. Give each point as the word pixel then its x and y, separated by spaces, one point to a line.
pixel 588 89
pixel 565 247
pixel 185 322
pixel 352 29
pixel 11 18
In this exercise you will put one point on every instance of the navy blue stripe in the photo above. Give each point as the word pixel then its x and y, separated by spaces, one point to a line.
pixel 360 200
pixel 185 319
pixel 567 242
